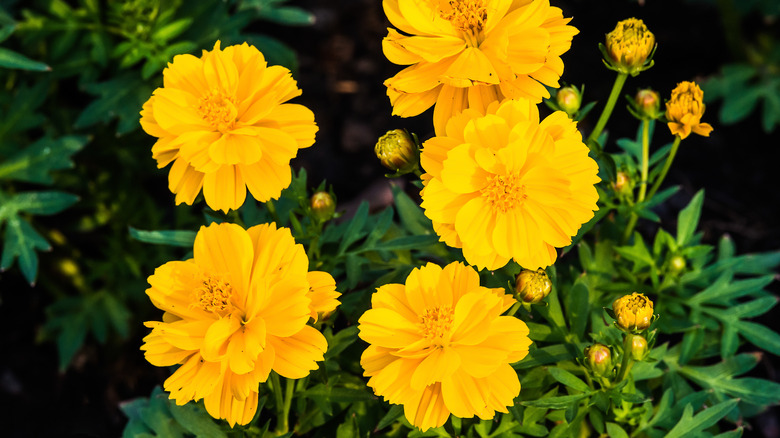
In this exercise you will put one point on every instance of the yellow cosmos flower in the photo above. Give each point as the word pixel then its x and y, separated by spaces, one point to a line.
pixel 233 313
pixel 439 345
pixel 630 47
pixel 504 186
pixel 467 53
pixel 223 122
pixel 685 110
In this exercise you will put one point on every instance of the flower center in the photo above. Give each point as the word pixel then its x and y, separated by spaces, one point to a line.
pixel 218 109
pixel 504 192
pixel 214 295
pixel 466 15
pixel 436 323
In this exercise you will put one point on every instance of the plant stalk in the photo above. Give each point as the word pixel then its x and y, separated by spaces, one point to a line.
pixel 626 362
pixel 607 111
pixel 666 167
pixel 643 183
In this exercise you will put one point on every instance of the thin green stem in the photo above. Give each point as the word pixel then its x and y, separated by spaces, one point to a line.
pixel 604 117
pixel 272 209
pixel 643 183
pixel 666 167
pixel 626 362
pixel 281 415
pixel 288 397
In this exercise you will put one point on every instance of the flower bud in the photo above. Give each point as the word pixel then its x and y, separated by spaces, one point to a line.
pixel 323 206
pixel 638 347
pixel 599 359
pixel 532 286
pixel 397 151
pixel 569 100
pixel 634 312
pixel 677 264
pixel 622 182
pixel 647 104
pixel 629 47
pixel 685 110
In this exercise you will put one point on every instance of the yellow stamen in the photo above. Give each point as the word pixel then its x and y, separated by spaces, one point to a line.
pixel 504 192
pixel 436 324
pixel 218 109
pixel 214 295
pixel 466 15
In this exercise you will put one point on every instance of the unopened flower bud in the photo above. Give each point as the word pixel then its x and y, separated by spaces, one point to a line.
pixel 629 47
pixel 677 264
pixel 599 359
pixel 647 104
pixel 323 206
pixel 532 286
pixel 634 312
pixel 397 151
pixel 622 182
pixel 638 347
pixel 569 100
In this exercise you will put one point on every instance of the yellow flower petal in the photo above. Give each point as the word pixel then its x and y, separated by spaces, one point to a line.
pixel 296 355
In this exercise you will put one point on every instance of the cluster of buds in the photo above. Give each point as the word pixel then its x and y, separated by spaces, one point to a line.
pixel 532 286
pixel 398 151
pixel 629 47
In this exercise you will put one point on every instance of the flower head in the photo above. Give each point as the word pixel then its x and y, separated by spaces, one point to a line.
pixel 397 151
pixel 235 311
pixel 222 121
pixel 439 345
pixel 685 109
pixel 629 47
pixel 323 206
pixel 634 312
pixel 467 53
pixel 532 286
pixel 504 186
pixel 646 104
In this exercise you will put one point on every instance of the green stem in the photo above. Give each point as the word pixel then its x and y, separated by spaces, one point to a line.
pixel 604 117
pixel 288 396
pixel 281 414
pixel 272 209
pixel 643 183
pixel 666 167
pixel 626 363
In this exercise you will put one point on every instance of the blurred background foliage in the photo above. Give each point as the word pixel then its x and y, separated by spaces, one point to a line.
pixel 76 172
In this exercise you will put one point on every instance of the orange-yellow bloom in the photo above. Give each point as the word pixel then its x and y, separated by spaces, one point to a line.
pixel 504 186
pixel 634 313
pixel 685 110
pixel 467 53
pixel 223 122
pixel 235 311
pixel 439 345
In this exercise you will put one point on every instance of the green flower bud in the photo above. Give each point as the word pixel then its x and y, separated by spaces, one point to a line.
pixel 647 104
pixel 677 264
pixel 532 286
pixel 622 182
pixel 397 151
pixel 638 347
pixel 599 359
pixel 323 206
pixel 569 100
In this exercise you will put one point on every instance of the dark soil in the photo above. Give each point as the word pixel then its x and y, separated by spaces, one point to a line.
pixel 341 73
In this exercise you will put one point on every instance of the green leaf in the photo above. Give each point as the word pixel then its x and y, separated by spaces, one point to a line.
pixel 578 309
pixel 770 113
pixel 275 51
pixel 689 424
pixel 21 241
pixel 688 219
pixel 543 356
pixel 615 431
pixel 760 336
pixel 10 59
pixel 337 394
pixel 637 253
pixel 559 402
pixel 395 412
pixel 33 163
pixel 121 97
pixel 171 30
pixel 412 216
pixel 181 238
pixel 568 379
pixel 194 418
pixel 406 242
pixel 723 289
pixel 289 16
pixel 354 230
pixel 739 103
pixel 42 203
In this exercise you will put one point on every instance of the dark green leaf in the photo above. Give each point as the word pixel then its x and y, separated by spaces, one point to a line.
pixel 194 418
pixel 33 163
pixel 688 219
pixel 760 336
pixel 21 241
pixel 568 379
pixel 689 424
pixel 615 431
pixel 289 16
pixel 121 97
pixel 406 242
pixel 171 30
pixel 181 238
pixel 355 228
pixel 412 216
pixel 543 356
pixel 9 59
pixel 42 203
pixel 578 309
pixel 393 414
pixel 559 402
